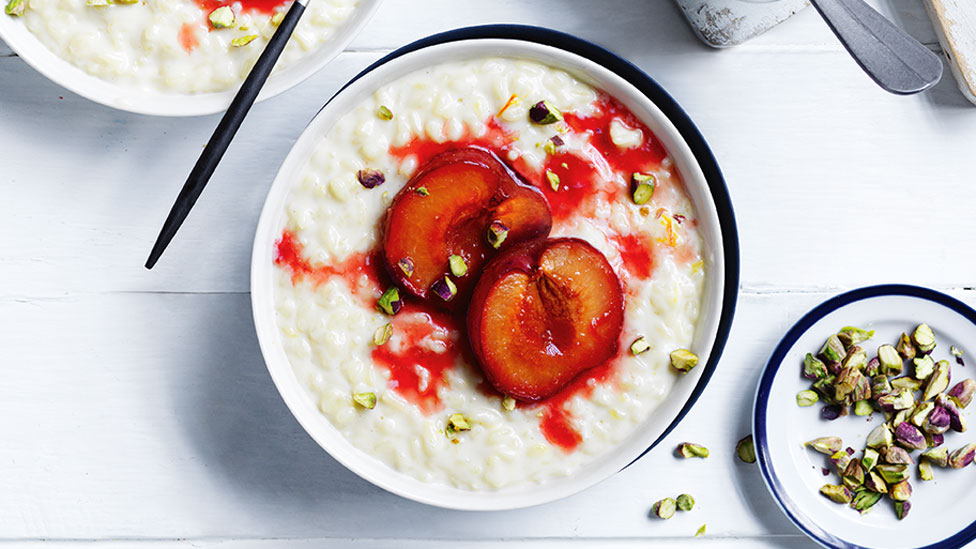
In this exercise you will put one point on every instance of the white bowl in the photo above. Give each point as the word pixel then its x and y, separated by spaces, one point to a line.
pixel 273 219
pixel 16 34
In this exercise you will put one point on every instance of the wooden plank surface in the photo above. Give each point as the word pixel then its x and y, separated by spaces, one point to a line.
pixel 955 24
pixel 138 409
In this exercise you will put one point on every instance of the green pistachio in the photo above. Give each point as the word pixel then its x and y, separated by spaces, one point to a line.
pixel 924 366
pixel 640 345
pixel 422 191
pixel 856 358
pixel 458 266
pixel 384 113
pixel 365 400
pixel 900 491
pixel 643 185
pixel 853 474
pixel 855 335
pixel 833 349
pixel 544 113
pixel 683 360
pixel 863 408
pixel 807 398
pixel 875 483
pixel 901 509
pixel 906 383
pixel 222 18
pixel 685 502
pixel 893 473
pixel 924 338
pixel 553 179
pixel 938 381
pixel 937 456
pixel 746 450
pixel 390 302
pixel 900 417
pixel 691 450
pixel 700 532
pixel 865 500
pixel 826 445
pixel 870 458
pixel 925 470
pixel 15 8
pixel 837 494
pixel 455 424
pixel 890 360
pixel 813 367
pixel 880 437
pixel 905 347
pixel 242 41
pixel 406 265
pixel 665 508
pixel 497 233
pixel 921 412
pixel 382 334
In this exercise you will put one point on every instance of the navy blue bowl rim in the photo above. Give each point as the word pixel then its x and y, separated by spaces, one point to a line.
pixel 649 87
pixel 792 510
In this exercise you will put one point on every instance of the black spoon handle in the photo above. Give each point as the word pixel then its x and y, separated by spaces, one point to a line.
pixel 895 60
pixel 226 130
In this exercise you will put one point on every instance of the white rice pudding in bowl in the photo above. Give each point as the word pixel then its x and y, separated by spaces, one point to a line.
pixel 176 46
pixel 333 346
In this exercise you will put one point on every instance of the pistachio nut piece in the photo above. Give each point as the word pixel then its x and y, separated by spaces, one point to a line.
pixel 691 450
pixel 664 508
pixel 685 502
pixel 924 338
pixel 746 450
pixel 826 445
pixel 837 494
pixel 937 456
pixel 683 360
pixel 890 360
pixel 963 456
pixel 905 347
pixel 900 491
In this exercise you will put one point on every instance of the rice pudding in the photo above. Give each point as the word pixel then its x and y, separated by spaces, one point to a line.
pixel 177 46
pixel 418 364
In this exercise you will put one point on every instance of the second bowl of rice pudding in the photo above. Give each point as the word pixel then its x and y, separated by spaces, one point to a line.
pixel 393 383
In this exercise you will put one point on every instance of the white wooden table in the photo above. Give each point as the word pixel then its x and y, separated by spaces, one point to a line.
pixel 135 407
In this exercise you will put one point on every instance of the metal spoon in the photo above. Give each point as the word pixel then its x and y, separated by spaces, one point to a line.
pixel 895 60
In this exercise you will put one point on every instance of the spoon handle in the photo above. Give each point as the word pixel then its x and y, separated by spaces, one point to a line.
pixel 226 130
pixel 895 60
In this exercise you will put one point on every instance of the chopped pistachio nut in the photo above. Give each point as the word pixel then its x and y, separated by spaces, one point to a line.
pixel 382 334
pixel 962 457
pixel 700 532
pixel 924 338
pixel 685 502
pixel 665 508
pixel 870 458
pixel 833 349
pixel 683 360
pixel 893 473
pixel 863 408
pixel 444 288
pixel 545 112
pixel 508 403
pixel 746 450
pixel 880 437
pixel 937 456
pixel 902 508
pixel 422 191
pixel 691 450
pixel 643 185
pixel 365 400
pixel 826 445
pixel 813 367
pixel 924 366
pixel 553 180
pixel 242 41
pixel 891 361
pixel 390 302
pixel 497 233
pixel 925 470
pixel 864 500
pixel 370 178
pixel 458 266
pixel 222 18
pixel 855 335
pixel 906 383
pixel 455 424
pixel 938 381
pixel 875 483
pixel 277 18
pixel 806 398
pixel 406 266
pixel 384 113
pixel 640 345
pixel 15 8
pixel 552 144
pixel 905 347
pixel 900 491
pixel 837 494
pixel 921 412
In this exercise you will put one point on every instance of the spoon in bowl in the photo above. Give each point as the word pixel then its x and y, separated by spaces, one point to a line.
pixel 896 61
pixel 226 130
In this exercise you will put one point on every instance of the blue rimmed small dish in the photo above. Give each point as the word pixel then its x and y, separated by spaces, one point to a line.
pixel 941 514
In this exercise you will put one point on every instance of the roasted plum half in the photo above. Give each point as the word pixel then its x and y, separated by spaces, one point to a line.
pixel 466 204
pixel 543 312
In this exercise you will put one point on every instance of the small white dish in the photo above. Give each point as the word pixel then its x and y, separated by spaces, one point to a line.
pixel 941 513
pixel 716 311
pixel 157 103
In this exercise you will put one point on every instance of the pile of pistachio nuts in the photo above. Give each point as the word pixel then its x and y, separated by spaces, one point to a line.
pixel 916 402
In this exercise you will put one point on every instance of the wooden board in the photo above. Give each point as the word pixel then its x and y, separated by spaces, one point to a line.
pixel 955 22
pixel 724 23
